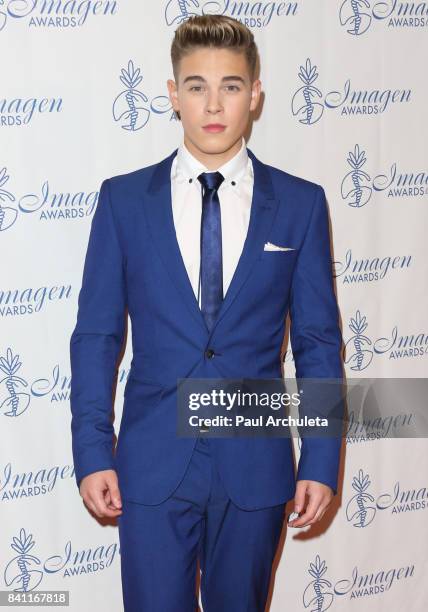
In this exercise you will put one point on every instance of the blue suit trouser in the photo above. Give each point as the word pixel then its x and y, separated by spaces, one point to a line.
pixel 160 545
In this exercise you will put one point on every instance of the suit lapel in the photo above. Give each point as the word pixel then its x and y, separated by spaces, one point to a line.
pixel 263 210
pixel 161 222
pixel 160 219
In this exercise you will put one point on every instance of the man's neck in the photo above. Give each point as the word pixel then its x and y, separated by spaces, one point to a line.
pixel 212 161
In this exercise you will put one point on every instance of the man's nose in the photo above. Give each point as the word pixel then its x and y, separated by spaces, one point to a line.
pixel 214 104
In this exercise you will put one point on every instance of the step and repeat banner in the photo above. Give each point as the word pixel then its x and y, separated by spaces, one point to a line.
pixel 83 97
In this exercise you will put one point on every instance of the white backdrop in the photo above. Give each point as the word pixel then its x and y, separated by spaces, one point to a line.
pixel 344 101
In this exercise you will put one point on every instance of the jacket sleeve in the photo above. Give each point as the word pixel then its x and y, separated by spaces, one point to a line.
pixel 316 340
pixel 95 343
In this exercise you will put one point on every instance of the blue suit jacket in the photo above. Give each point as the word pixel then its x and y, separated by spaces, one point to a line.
pixel 133 263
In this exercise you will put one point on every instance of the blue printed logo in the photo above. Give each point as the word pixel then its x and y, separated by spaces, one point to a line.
pixel 308 102
pixel 80 562
pixel 25 571
pixel 16 302
pixel 358 354
pixel 357 186
pixel 132 107
pixel 8 214
pixel 254 14
pixel 177 11
pixel 22 572
pixel 362 507
pixel 352 270
pixel 16 394
pixel 359 349
pixel 17 400
pixel 318 594
pixel 353 189
pixel 357 16
pixel 22 485
pixel 54 14
pixel 18 112
pixel 366 428
pixel 321 593
pixel 14 387
pixel 49 205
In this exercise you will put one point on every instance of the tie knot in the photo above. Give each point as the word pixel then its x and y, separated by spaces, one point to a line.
pixel 211 180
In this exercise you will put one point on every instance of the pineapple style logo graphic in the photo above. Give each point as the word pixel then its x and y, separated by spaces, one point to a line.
pixel 353 189
pixel 177 11
pixel 358 355
pixel 3 16
pixel 132 107
pixel 361 508
pixel 22 571
pixel 354 17
pixel 16 402
pixel 8 214
pixel 318 595
pixel 304 104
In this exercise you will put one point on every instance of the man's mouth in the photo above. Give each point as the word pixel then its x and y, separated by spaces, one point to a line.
pixel 214 127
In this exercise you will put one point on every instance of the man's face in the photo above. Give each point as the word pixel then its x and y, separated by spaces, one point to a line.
pixel 214 87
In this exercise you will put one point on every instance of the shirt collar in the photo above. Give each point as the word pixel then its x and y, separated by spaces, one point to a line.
pixel 188 167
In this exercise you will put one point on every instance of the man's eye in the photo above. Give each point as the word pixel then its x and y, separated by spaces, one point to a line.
pixel 199 88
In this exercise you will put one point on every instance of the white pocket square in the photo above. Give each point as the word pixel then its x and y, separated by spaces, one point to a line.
pixel 273 247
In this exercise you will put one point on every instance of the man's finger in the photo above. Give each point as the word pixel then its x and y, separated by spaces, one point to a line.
pixel 90 505
pixel 97 498
pixel 319 514
pixel 309 513
pixel 300 496
pixel 114 495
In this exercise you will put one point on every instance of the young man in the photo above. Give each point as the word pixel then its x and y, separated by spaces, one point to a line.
pixel 182 245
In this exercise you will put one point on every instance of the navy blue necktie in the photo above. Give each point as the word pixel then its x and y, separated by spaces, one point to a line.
pixel 211 251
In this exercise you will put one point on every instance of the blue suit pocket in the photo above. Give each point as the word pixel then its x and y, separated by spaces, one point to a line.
pixel 142 385
pixel 276 264
pixel 289 254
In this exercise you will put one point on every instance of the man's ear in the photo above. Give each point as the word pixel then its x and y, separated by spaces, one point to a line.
pixel 172 91
pixel 255 94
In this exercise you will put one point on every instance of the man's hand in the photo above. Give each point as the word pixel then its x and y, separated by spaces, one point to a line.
pixel 320 496
pixel 101 494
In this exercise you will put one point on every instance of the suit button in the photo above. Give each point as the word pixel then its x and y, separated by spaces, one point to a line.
pixel 205 427
pixel 209 353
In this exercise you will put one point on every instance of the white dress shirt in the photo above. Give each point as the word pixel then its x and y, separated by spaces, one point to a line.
pixel 235 195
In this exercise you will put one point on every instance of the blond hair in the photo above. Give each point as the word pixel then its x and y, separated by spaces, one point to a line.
pixel 219 31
